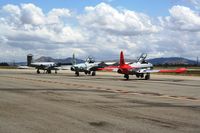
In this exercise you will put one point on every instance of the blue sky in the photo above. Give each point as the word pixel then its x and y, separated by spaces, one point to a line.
pixel 150 7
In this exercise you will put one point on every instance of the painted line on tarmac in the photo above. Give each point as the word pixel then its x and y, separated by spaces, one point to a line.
pixel 112 90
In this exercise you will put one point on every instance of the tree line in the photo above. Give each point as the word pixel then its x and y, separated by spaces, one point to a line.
pixel 4 64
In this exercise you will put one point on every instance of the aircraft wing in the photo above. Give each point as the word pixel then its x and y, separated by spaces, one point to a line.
pixel 23 67
pixel 178 70
pixel 109 68
pixel 45 65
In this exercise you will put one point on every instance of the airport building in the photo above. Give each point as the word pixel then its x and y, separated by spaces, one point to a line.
pixel 29 59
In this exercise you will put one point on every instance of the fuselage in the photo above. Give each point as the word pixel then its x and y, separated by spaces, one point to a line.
pixel 141 65
pixel 48 64
pixel 82 67
pixel 134 68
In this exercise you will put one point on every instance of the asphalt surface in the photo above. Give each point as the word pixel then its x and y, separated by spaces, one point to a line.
pixel 106 103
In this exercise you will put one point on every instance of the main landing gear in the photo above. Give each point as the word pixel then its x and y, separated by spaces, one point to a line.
pixel 93 73
pixel 141 75
pixel 126 76
pixel 77 73
pixel 38 71
pixel 48 71
pixel 147 76
pixel 86 72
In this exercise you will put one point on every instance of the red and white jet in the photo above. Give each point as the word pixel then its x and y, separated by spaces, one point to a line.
pixel 141 68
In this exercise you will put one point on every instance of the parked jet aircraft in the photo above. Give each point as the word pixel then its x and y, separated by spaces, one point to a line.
pixel 141 68
pixel 46 66
pixel 89 67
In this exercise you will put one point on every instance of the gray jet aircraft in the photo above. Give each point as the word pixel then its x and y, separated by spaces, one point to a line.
pixel 89 67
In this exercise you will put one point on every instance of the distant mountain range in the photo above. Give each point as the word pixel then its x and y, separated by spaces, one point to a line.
pixel 172 61
pixel 162 61
pixel 63 61
pixel 155 61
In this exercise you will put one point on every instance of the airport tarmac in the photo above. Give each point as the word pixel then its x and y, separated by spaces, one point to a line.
pixel 106 103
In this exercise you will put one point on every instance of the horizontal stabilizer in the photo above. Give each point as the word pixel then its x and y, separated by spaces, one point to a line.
pixel 179 70
pixel 109 69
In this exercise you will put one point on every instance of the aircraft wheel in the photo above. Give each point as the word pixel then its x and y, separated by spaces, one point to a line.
pixel 126 76
pixel 147 77
pixel 142 75
pixel 38 71
pixel 93 73
pixel 48 71
pixel 77 73
pixel 86 72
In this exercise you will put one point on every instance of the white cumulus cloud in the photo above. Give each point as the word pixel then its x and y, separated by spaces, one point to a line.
pixel 27 28
pixel 30 14
pixel 101 31
pixel 122 22
pixel 55 15
pixel 183 18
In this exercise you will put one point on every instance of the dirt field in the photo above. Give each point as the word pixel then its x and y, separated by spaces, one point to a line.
pixel 106 103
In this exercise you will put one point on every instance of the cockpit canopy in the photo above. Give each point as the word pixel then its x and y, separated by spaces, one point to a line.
pixel 90 60
pixel 142 58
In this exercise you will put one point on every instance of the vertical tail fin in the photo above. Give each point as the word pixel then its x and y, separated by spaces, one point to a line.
pixel 122 61
pixel 73 59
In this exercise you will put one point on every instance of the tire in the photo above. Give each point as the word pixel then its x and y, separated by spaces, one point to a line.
pixel 126 76
pixel 93 73
pixel 49 71
pixel 38 71
pixel 77 73
pixel 147 77
pixel 89 72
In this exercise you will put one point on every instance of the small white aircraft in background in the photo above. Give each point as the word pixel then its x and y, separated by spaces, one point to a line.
pixel 89 67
